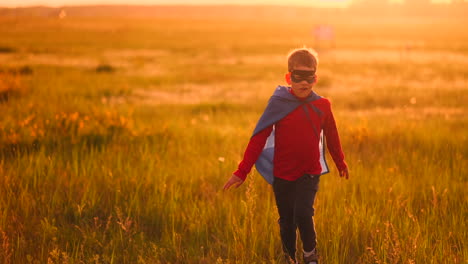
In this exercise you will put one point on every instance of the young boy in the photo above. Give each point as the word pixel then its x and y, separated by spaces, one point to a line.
pixel 287 148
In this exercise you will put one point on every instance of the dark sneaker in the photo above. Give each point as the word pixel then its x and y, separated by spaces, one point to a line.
pixel 311 259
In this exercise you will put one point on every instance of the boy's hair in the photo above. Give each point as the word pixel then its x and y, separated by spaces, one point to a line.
pixel 302 57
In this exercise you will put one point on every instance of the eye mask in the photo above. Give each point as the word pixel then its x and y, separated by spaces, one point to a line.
pixel 299 76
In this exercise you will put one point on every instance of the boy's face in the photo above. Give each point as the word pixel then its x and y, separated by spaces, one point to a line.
pixel 302 80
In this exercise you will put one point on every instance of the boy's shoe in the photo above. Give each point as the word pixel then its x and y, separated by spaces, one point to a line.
pixel 311 259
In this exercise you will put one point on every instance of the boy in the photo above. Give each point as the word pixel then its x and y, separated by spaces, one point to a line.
pixel 287 148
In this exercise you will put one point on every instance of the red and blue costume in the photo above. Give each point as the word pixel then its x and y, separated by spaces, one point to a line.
pixel 288 140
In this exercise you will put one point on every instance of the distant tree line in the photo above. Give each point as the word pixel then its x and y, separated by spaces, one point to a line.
pixel 408 3
pixel 408 7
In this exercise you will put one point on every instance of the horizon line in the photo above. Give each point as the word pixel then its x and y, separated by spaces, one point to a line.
pixel 299 5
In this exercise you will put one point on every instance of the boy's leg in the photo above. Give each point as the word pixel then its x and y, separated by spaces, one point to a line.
pixel 285 199
pixel 306 189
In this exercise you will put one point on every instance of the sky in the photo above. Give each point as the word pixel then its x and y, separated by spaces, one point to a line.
pixel 56 3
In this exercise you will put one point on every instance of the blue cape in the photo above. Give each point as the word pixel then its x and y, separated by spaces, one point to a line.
pixel 281 103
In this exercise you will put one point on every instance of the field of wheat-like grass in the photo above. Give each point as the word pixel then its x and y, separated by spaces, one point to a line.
pixel 117 135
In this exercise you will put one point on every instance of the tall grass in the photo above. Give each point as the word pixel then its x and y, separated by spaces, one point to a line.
pixel 128 166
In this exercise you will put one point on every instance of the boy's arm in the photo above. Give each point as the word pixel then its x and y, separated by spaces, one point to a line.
pixel 334 144
pixel 252 152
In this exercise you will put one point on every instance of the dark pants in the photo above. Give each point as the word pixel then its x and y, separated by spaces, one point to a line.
pixel 295 201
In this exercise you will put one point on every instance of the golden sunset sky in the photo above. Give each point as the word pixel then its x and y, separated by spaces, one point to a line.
pixel 323 3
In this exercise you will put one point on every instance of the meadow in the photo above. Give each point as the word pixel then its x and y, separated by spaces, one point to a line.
pixel 118 133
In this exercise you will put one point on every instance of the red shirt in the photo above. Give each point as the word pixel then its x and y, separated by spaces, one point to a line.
pixel 296 143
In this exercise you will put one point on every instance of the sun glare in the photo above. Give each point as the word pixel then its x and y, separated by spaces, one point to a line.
pixel 318 3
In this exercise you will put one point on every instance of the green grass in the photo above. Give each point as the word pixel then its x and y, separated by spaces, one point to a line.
pixel 127 166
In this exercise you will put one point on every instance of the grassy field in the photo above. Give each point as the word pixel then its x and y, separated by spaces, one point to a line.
pixel 117 135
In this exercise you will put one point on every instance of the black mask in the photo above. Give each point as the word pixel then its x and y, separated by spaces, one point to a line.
pixel 298 76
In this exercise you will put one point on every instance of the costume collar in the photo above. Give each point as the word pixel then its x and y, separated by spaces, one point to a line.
pixel 285 92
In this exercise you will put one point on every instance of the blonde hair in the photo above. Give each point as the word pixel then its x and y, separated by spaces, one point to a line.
pixel 302 56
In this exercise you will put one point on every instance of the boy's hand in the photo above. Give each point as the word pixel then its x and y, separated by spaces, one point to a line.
pixel 233 181
pixel 344 173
